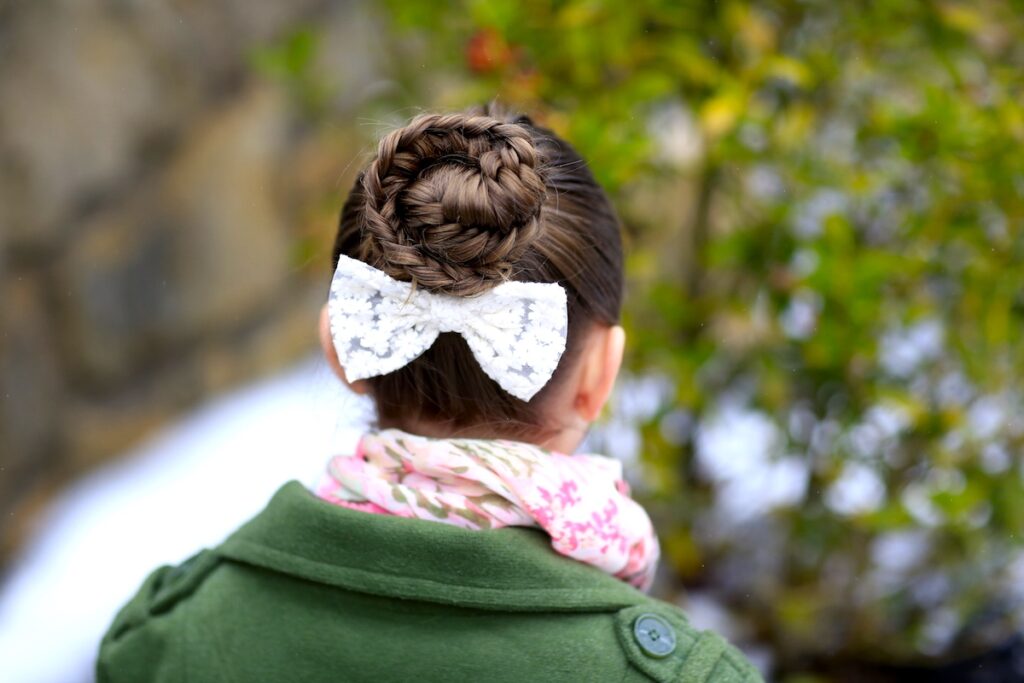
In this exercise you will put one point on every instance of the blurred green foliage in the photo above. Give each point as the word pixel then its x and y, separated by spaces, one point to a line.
pixel 292 61
pixel 824 206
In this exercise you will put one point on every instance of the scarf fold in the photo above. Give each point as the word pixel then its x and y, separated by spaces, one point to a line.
pixel 581 501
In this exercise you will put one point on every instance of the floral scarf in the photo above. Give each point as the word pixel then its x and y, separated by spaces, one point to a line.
pixel 581 501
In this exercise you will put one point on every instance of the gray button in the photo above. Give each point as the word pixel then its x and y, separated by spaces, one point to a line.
pixel 654 635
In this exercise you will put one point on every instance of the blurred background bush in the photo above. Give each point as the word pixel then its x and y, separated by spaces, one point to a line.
pixel 823 204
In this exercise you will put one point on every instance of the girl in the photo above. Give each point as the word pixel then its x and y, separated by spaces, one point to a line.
pixel 476 298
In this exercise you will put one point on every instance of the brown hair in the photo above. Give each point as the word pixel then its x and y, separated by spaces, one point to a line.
pixel 458 203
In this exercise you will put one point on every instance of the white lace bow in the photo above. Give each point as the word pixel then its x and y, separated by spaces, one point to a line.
pixel 515 330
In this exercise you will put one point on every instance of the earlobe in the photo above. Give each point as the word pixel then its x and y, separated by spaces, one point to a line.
pixel 331 354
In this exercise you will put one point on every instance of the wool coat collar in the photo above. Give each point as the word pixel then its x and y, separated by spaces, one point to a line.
pixel 511 569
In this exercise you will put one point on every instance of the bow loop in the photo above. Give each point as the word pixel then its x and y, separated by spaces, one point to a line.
pixel 516 331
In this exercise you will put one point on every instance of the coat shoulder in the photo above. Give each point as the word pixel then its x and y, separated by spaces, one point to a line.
pixel 141 641
pixel 659 642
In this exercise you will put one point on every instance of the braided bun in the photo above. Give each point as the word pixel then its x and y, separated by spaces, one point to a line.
pixel 451 202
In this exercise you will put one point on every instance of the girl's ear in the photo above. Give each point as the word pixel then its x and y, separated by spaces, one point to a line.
pixel 330 353
pixel 599 366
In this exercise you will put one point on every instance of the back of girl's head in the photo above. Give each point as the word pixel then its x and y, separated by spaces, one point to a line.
pixel 458 203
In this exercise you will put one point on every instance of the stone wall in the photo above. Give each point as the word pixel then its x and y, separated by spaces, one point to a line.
pixel 153 191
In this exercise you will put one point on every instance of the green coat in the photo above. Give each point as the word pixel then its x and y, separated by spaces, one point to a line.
pixel 310 591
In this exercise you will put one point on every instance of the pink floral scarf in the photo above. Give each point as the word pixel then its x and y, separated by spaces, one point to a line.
pixel 581 501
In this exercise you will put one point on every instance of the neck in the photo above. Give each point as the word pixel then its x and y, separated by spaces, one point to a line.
pixel 565 439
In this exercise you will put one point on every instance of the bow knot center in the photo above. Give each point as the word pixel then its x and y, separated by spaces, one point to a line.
pixel 449 313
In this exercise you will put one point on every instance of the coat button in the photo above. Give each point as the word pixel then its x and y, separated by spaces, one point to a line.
pixel 654 635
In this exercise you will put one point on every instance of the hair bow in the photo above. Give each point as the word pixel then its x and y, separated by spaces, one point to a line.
pixel 515 330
